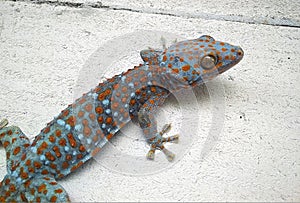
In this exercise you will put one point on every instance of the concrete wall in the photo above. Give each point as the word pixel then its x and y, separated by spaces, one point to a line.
pixel 255 154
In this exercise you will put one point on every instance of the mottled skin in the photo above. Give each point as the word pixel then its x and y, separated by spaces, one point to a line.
pixel 84 127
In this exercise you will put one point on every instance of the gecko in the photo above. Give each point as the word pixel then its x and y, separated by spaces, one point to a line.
pixel 81 130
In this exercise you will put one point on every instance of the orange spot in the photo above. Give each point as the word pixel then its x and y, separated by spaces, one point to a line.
pixel 101 96
pixel 196 65
pixel 88 107
pixel 80 114
pixel 143 79
pixel 132 102
pixel 53 199
pixel 49 156
pixel 95 151
pixel 175 70
pixel 226 57
pixel 81 148
pixel 58 133
pixel 27 184
pixel 82 100
pixel 186 68
pixel 107 92
pixel 41 188
pixel 222 43
pixel 46 130
pixel 109 120
pixel 71 140
pixel 165 58
pixel 16 150
pixel 12 188
pixel 57 152
pixel 58 191
pixel 92 116
pixel 170 65
pixel 71 121
pixel 53 166
pixel 224 49
pixel 116 86
pixel 115 105
pixel 99 110
pixel 109 136
pixel 44 172
pixel 87 131
pixel 52 138
pixel 62 142
pixel 124 89
pixel 43 146
pixel 124 99
pixel 65 112
pixel 68 157
pixel 79 156
pixel 65 165
pixel 85 122
pixel 100 119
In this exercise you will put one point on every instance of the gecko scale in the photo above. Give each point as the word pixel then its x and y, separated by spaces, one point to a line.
pixel 82 129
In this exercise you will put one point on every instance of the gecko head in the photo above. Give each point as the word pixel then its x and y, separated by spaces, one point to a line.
pixel 202 59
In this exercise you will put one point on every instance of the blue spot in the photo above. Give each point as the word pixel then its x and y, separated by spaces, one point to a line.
pixel 33 149
pixel 132 94
pixel 78 127
pixel 89 141
pixel 14 174
pixel 107 111
pixel 80 136
pixel 116 114
pixel 66 148
pixel 131 85
pixel 68 127
pixel 149 74
pixel 19 180
pixel 108 130
pixel 42 157
pixel 123 78
pixel 103 125
pixel 47 162
pixel 105 102
pixel 61 122
pixel 74 153
pixel 95 95
pixel 126 105
pixel 149 83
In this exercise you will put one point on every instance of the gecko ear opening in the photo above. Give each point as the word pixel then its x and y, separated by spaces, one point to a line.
pixel 207 37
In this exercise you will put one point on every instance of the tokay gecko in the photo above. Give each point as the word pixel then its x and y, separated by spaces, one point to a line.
pixel 82 129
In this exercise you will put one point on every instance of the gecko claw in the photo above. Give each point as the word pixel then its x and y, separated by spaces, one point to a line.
pixel 157 143
pixel 3 123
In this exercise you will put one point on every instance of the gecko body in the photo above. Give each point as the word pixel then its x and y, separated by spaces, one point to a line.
pixel 82 129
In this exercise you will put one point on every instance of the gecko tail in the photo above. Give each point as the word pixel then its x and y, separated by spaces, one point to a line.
pixel 40 188
pixel 15 143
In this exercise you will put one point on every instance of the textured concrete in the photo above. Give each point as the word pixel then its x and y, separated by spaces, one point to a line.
pixel 44 48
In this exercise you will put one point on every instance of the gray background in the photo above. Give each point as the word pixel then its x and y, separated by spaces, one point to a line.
pixel 257 156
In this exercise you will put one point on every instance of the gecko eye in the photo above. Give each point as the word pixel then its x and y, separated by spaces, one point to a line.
pixel 208 62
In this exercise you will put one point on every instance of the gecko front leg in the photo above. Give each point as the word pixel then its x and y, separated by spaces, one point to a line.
pixel 148 123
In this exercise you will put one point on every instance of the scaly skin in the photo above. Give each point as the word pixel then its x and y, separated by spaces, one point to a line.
pixel 84 127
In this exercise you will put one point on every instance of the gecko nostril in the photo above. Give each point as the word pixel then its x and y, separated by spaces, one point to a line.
pixel 240 52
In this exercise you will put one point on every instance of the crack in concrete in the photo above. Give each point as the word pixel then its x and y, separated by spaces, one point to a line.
pixel 272 21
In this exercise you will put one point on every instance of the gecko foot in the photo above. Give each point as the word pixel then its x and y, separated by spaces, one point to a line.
pixel 3 123
pixel 157 143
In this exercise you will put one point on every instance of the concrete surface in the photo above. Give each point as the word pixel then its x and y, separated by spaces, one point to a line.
pixel 257 156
